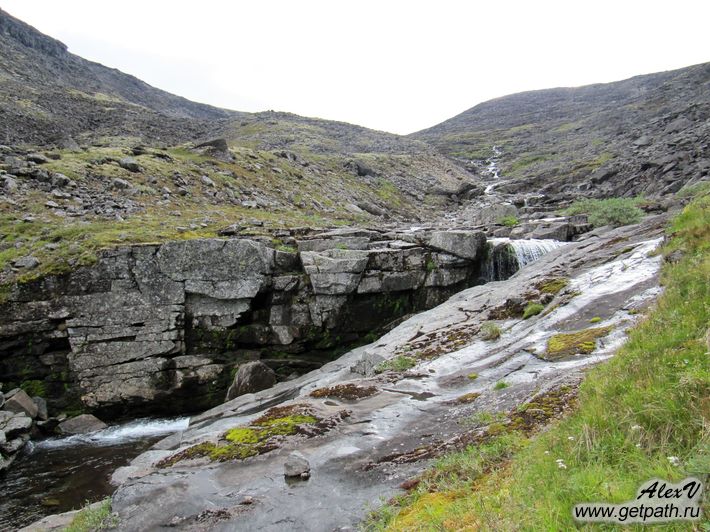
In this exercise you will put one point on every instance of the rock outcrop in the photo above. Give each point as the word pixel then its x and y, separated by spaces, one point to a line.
pixel 159 328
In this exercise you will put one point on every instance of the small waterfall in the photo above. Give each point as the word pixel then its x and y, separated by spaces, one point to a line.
pixel 506 256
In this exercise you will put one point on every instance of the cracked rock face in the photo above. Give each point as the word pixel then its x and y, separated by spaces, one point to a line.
pixel 160 328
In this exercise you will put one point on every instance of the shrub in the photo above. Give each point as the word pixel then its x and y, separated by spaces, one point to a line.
pixel 613 211
pixel 509 221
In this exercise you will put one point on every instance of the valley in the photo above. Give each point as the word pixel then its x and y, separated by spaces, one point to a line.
pixel 220 320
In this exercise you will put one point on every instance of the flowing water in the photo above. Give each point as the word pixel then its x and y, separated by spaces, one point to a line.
pixel 61 474
pixel 507 256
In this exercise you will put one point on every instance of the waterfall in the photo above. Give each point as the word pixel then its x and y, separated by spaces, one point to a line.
pixel 506 256
pixel 137 429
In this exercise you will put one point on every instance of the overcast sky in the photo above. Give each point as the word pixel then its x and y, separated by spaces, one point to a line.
pixel 398 66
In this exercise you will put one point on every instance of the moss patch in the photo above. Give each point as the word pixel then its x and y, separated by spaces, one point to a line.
pixel 533 309
pixel 567 344
pixel 467 398
pixel 260 437
pixel 552 286
pixel 350 392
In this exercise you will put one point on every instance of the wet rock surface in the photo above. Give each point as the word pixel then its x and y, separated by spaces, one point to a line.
pixel 389 435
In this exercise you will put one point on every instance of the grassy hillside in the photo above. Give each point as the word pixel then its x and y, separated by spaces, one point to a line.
pixel 650 402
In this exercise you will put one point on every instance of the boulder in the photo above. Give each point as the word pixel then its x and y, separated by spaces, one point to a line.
pixel 60 180
pixel 296 465
pixel 130 164
pixel 553 231
pixel 81 424
pixel 15 444
pixel 17 425
pixel 18 401
pixel 27 262
pixel 250 378
pixel 491 214
pixel 120 184
pixel 37 158
pixel 41 408
pixel 465 244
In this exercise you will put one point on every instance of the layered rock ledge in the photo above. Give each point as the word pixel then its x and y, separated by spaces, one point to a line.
pixel 162 328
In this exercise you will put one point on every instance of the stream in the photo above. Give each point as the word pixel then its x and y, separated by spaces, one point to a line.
pixel 61 474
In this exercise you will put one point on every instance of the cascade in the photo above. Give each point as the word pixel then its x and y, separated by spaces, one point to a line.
pixel 507 256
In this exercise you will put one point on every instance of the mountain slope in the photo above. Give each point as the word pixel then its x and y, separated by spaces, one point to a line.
pixel 644 135
pixel 49 95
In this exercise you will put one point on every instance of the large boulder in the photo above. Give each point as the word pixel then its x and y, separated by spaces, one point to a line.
pixel 465 244
pixel 81 424
pixel 130 164
pixel 18 401
pixel 490 214
pixel 17 425
pixel 251 377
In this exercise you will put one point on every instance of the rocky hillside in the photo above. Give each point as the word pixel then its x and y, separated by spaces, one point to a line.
pixel 91 157
pixel 52 96
pixel 645 135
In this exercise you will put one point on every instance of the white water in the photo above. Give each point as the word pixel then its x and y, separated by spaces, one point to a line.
pixel 529 250
pixel 493 170
pixel 137 429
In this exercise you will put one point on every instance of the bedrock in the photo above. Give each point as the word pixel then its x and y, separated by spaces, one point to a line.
pixel 162 328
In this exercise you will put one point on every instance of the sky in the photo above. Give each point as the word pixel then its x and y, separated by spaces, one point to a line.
pixel 397 66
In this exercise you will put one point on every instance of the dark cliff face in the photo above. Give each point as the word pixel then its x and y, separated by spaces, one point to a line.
pixel 645 135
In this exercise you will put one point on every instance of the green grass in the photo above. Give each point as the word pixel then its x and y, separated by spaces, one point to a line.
pixel 490 331
pixel 613 211
pixel 647 403
pixel 500 385
pixel 399 363
pixel 92 519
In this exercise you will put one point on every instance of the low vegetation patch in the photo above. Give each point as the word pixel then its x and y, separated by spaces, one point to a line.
pixel 467 398
pixel 641 415
pixel 350 392
pixel 509 221
pixel 259 437
pixel 613 211
pixel 576 343
pixel 398 363
pixel 532 309
pixel 93 517
pixel 552 286
pixel 490 331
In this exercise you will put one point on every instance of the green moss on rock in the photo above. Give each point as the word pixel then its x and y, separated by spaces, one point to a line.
pixel 568 344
